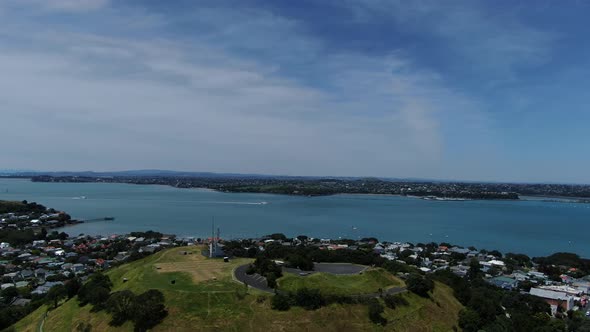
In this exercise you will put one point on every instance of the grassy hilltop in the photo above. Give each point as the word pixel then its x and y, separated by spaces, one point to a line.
pixel 205 297
pixel 368 282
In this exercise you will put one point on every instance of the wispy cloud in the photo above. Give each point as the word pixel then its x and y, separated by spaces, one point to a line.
pixel 495 44
pixel 251 92
pixel 59 5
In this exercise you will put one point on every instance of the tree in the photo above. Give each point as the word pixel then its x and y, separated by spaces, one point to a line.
pixel 496 253
pixel 278 236
pixel 487 303
pixel 271 280
pixel 300 261
pixel 11 315
pixel 97 296
pixel 518 259
pixel 43 234
pixel 56 293
pixel 72 287
pixel 149 310
pixel 419 285
pixel 96 291
pixel 375 310
pixel 493 271
pixel 469 320
pixel 9 294
pixel 121 305
pixel 251 252
pixel 474 270
pixel 102 280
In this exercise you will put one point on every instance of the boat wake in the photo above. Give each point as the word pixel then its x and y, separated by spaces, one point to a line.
pixel 242 203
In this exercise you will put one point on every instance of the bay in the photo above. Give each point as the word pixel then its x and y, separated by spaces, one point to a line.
pixel 532 227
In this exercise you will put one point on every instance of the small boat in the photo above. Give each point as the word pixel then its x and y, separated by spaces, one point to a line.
pixel 109 218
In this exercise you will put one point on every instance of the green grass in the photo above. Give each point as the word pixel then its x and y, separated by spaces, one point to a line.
pixel 439 313
pixel 213 305
pixel 11 206
pixel 369 281
pixel 32 321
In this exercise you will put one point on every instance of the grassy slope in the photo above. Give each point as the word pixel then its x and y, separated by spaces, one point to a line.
pixel 439 313
pixel 214 305
pixel 368 282
pixel 11 206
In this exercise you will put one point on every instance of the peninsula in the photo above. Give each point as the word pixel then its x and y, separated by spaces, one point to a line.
pixel 308 186
pixel 315 186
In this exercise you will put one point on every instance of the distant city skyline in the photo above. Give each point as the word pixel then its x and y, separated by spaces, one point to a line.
pixel 457 90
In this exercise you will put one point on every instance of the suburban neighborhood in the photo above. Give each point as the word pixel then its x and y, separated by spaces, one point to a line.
pixel 33 261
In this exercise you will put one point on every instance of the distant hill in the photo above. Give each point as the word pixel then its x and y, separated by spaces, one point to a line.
pixel 204 297
pixel 154 173
pixel 169 173
pixel 191 174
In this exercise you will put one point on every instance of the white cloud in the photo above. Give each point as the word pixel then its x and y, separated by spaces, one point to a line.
pixel 90 101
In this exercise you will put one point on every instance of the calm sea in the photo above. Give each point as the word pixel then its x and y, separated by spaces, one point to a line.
pixel 532 227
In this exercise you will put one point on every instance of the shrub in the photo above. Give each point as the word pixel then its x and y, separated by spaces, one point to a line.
pixel 250 269
pixel 393 301
pixel 281 302
pixel 419 285
pixel 310 299
pixel 375 311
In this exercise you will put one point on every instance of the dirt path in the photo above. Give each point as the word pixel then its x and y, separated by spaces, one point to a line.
pixel 42 322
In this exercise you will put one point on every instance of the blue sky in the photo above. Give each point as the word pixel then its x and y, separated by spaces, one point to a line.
pixel 461 90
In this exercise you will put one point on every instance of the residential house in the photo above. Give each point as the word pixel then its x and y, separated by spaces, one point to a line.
pixel 40 273
pixel 27 274
pixel 554 299
pixel 504 282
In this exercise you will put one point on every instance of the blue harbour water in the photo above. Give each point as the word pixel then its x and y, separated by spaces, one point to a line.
pixel 532 227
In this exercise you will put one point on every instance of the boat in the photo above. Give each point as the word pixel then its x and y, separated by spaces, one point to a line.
pixel 109 218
